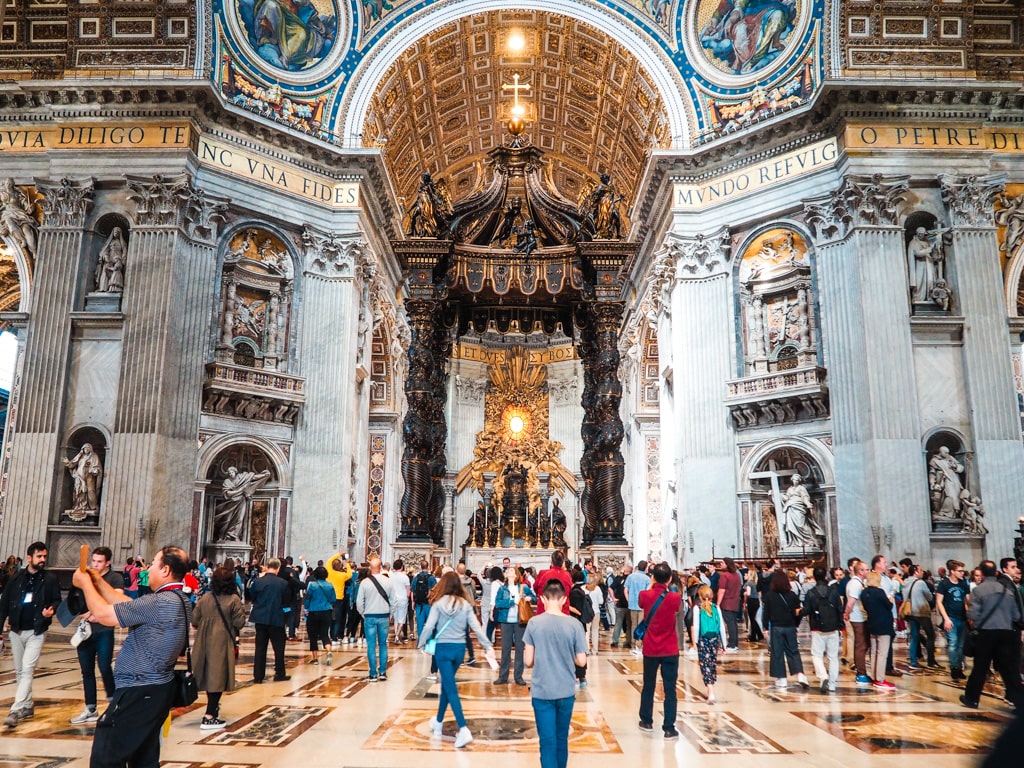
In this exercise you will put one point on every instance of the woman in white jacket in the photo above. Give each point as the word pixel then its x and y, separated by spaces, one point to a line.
pixel 451 616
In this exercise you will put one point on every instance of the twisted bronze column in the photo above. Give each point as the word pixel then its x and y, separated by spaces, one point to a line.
pixel 603 430
pixel 423 423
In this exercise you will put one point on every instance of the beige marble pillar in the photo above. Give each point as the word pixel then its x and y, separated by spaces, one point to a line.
pixel 327 358
pixel 879 467
pixel 35 470
pixel 988 368
pixel 167 303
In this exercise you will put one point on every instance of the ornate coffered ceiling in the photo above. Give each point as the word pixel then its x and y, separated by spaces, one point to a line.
pixel 591 107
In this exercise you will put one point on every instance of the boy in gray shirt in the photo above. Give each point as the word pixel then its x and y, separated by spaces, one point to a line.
pixel 554 644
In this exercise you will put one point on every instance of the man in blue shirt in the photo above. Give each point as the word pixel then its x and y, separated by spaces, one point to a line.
pixel 636 583
pixel 951 599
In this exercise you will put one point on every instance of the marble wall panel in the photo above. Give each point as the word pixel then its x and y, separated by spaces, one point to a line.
pixel 92 394
pixel 941 393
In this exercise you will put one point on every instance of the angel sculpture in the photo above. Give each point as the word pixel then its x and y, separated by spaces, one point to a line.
pixel 428 216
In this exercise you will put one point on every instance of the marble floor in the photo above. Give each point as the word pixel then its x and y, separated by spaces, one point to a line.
pixel 332 716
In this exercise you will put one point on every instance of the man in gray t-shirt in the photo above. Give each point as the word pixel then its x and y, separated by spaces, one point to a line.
pixel 554 644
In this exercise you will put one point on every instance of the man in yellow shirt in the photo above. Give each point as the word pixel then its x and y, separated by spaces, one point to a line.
pixel 339 571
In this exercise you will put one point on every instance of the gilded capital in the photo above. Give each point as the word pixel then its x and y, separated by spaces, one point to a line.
pixel 332 255
pixel 701 256
pixel 861 201
pixel 158 199
pixel 969 199
pixel 65 202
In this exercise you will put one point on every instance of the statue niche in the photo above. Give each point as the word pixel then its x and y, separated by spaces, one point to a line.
pixel 926 241
pixel 83 461
pixel 241 483
pixel 779 331
pixel 256 297
pixel 954 507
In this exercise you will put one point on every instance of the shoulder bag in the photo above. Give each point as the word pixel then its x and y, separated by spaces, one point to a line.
pixel 383 592
pixel 184 688
pixel 430 646
pixel 641 629
pixel 525 608
pixel 906 607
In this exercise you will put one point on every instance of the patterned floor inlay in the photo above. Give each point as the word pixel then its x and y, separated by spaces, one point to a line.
pixel 273 726
pixel 177 764
pixel 50 721
pixel 845 693
pixel 331 687
pixel 362 664
pixel 952 733
pixel 722 733
pixel 509 732
pixel 684 690
pixel 34 762
pixel 482 690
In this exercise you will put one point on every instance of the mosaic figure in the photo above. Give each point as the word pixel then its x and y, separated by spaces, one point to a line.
pixel 289 34
pixel 747 35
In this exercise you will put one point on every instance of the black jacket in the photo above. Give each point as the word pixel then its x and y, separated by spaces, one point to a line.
pixel 270 596
pixel 45 594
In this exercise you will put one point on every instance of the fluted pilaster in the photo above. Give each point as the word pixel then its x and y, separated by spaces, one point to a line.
pixel 35 471
pixel 702 338
pixel 866 321
pixel 327 351
pixel 988 368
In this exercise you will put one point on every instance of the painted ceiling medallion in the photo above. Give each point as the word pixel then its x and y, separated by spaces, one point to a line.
pixel 740 38
pixel 291 35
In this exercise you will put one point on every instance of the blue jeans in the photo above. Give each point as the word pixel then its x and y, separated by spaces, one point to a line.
pixel 553 717
pixel 376 626
pixel 99 647
pixel 449 658
pixel 955 643
pixel 422 611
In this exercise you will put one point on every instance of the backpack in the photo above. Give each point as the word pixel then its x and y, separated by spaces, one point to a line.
pixel 827 618
pixel 585 607
pixel 421 588
pixel 126 574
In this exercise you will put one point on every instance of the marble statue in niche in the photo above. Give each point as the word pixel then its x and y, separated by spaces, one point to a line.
pixel 945 486
pixel 110 267
pixel 16 217
pixel 755 328
pixel 802 530
pixel 229 515
pixel 974 514
pixel 87 473
pixel 926 265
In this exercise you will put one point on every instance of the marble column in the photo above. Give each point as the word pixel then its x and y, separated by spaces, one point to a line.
pixel 35 470
pixel 327 356
pixel 702 339
pixel 167 302
pixel 865 314
pixel 988 368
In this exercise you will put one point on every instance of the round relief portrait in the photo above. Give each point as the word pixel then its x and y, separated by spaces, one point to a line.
pixel 740 37
pixel 293 35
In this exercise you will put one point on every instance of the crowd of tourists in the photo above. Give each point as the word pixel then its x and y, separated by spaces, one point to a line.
pixel 549 620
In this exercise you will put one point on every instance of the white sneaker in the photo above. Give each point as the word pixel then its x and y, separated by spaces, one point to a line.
pixel 463 737
pixel 435 726
pixel 732 650
pixel 637 651
pixel 692 653
pixel 87 716
pixel 782 683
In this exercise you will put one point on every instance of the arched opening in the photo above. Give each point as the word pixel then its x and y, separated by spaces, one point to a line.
pixel 952 490
pixel 243 505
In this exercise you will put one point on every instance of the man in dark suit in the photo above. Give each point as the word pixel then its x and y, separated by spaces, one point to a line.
pixel 270 594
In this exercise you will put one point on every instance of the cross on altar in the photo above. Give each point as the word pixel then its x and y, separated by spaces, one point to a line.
pixel 773 473
pixel 516 87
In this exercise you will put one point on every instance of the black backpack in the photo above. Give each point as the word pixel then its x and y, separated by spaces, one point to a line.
pixel 421 588
pixel 582 604
pixel 826 617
